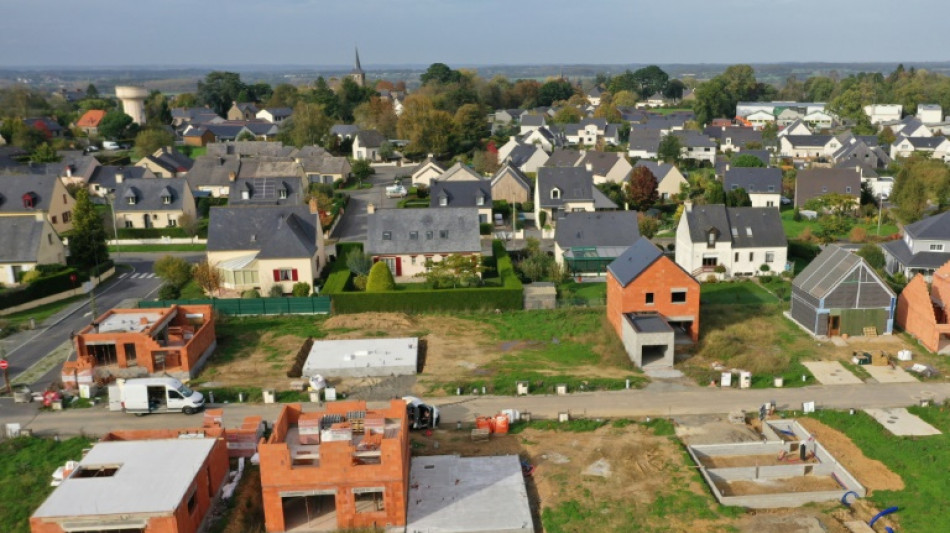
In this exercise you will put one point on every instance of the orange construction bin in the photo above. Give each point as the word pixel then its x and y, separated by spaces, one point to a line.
pixel 501 424
pixel 485 422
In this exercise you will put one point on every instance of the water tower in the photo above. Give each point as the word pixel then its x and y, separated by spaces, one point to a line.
pixel 133 102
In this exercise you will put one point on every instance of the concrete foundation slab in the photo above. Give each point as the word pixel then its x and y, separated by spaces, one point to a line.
pixel 886 374
pixel 363 358
pixel 832 373
pixel 901 422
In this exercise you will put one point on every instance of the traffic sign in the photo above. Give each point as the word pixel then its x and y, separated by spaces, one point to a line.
pixel 4 364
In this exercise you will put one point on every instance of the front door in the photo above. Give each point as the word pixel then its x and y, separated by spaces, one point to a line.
pixel 834 326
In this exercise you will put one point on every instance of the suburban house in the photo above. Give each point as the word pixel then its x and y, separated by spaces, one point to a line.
pixel 531 123
pixel 463 193
pixel 167 162
pixel 77 168
pixel 589 130
pixel 198 136
pixel 936 147
pixel 175 340
pixel 784 117
pixel 758 119
pixel 909 126
pixel 734 138
pixel 407 239
pixel 366 145
pixel 526 157
pixel 31 194
pixel 426 171
pixel 839 293
pixel 593 96
pixel 608 167
pixel 644 143
pixel 796 128
pixel 507 116
pixel 669 180
pixel 143 483
pixel 90 120
pixel 344 466
pixel 565 157
pixel 182 116
pixel 816 182
pixel 560 190
pixel 930 113
pixel 242 111
pixel 763 185
pixel 544 137
pixel 104 178
pixel 275 115
pixel 155 203
pixel 259 247
pixel 27 241
pixel 695 145
pixel 585 243
pixel 510 185
pixel 730 241
pixel 883 112
pixel 267 191
pixel 324 168
pixel 344 131
pixel 808 146
pixel 48 126
pixel 214 174
pixel 458 172
pixel 869 156
pixel 924 247
pixel 651 301
pixel 925 312
pixel 819 120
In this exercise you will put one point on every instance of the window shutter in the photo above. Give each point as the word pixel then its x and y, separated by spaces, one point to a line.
pixel 293 274
pixel 398 266
pixel 276 275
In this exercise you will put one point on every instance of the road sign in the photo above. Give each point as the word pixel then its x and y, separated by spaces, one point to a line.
pixel 4 364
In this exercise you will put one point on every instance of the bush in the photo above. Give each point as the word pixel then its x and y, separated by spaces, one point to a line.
pixel 804 250
pixel 169 292
pixel 301 289
pixel 96 271
pixel 858 234
pixel 359 282
pixel 276 291
pixel 766 279
pixel 43 286
pixel 484 228
pixel 30 276
pixel 711 279
pixel 527 207
pixel 720 269
pixel 765 268
pixel 250 294
pixel 338 279
pixel 51 268
pixel 380 278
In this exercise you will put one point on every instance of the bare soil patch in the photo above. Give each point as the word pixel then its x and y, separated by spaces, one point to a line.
pixel 265 366
pixel 874 475
pixel 734 461
pixel 778 485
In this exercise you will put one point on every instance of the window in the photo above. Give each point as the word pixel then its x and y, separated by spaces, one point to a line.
pixel 649 298
pixel 678 296
pixel 751 256
pixel 64 199
pixel 555 194
pixel 771 188
pixel 710 261
pixel 128 223
pixel 824 189
pixel 131 200
pixel 172 223
pixel 414 235
pixel 412 260
pixel 282 192
pixel 67 216
pixel 53 219
pixel 387 235
pixel 769 204
pixel 285 274
pixel 154 216
pixel 428 235
pixel 166 199
pixel 369 500
pixel 936 247
pixel 711 239
pixel 192 502
pixel 443 234
pixel 737 257
pixel 480 200
pixel 847 190
pixel 49 238
pixel 734 187
pixel 769 257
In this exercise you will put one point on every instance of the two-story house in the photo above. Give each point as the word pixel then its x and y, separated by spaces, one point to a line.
pixel 694 145
pixel 463 193
pixel 510 185
pixel 808 146
pixel 152 203
pixel 924 247
pixel 366 145
pixel 816 182
pixel 560 190
pixel 669 179
pixel 26 241
pixel 31 194
pixel 426 171
pixel 935 147
pixel 585 243
pixel 763 185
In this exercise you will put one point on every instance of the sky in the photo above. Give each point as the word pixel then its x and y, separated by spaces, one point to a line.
pixel 208 33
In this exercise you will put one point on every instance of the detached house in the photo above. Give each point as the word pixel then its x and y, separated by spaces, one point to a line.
pixel 669 180
pixel 924 247
pixel 274 115
pixel 816 182
pixel 883 112
pixel 167 162
pixel 466 193
pixel 740 240
pixel 695 145
pixel 608 167
pixel 585 243
pixel 154 203
pixel 407 239
pixel 808 146
pixel 560 190
pixel 510 185
pixel 27 241
pixel 366 144
pixel 644 143
pixel 90 120
pixel 259 247
pixel 526 157
pixel 937 147
pixel 426 171
pixel 763 185
pixel 242 111
pixel 925 313
pixel 214 174
pixel 31 194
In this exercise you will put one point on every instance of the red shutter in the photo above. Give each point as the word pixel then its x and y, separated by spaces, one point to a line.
pixel 293 274
pixel 276 275
pixel 398 266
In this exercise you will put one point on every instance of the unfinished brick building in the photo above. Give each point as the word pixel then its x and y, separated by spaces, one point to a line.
pixel 162 481
pixel 343 467
pixel 926 314
pixel 175 340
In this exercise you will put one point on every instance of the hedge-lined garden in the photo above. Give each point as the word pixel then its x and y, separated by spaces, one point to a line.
pixel 53 279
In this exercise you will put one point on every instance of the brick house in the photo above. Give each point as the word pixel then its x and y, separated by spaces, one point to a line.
pixel 176 340
pixel 650 301
pixel 90 120
pixel 926 314
pixel 343 467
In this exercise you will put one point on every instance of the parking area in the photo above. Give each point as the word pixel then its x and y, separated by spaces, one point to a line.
pixel 889 374
pixel 831 373
pixel 902 423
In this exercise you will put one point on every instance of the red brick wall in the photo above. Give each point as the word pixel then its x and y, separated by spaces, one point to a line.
pixel 915 310
pixel 659 278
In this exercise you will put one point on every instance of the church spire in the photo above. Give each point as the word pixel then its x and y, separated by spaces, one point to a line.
pixel 358 75
pixel 357 68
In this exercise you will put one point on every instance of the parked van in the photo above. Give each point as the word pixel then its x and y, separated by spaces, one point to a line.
pixel 110 145
pixel 421 414
pixel 158 395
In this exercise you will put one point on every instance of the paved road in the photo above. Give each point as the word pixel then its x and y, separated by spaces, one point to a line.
pixel 658 399
pixel 353 226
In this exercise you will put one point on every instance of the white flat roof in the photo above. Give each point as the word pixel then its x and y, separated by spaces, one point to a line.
pixel 355 354
pixel 128 322
pixel 152 477
pixel 452 494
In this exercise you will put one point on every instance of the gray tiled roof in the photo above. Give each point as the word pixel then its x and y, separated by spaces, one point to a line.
pixel 809 140
pixel 13 188
pixel 899 249
pixel 922 143
pixel 522 153
pixel 602 228
pixel 370 138
pixel 563 158
pixel 815 182
pixel 634 261
pixel 459 193
pixel 755 227
pixel 754 180
pixel 252 149
pixel 20 238
pixel 460 223
pixel 575 184
pixel 344 130
pixel 827 270
pixel 104 176
pixel 532 120
pixel 149 194
pixel 694 139
pixel 171 160
pixel 933 228
pixel 601 162
pixel 266 191
pixel 659 170
pixel 287 231
pixel 213 171
pixel 647 140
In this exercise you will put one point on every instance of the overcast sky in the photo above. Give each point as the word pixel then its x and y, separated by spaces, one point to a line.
pixel 466 32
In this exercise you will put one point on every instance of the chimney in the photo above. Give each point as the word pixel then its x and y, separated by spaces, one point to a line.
pixel 232 176
pixel 589 167
pixel 313 206
pixel 119 176
pixel 370 208
pixel 688 206
pixel 69 171
pixel 727 167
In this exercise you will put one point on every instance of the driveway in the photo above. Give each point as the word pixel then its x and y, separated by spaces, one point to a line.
pixel 353 226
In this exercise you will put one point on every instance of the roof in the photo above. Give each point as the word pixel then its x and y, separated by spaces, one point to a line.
pixel 809 140
pixel 213 171
pixel 659 170
pixel 516 174
pixel 13 188
pixel 458 171
pixel 104 176
pixel 153 477
pixel 462 193
pixel 533 120
pixel 647 140
pixel 269 190
pixel 370 138
pixel 563 158
pixel 283 231
pixel 344 130
pixel 648 322
pixel 744 227
pixel 694 139
pixel 149 194
pixel 91 118
pixel 427 162
pixel 814 182
pixel 522 153
pixel 826 271
pixel 899 249
pixel 922 143
pixel 602 162
pixel 575 184
pixel 461 224
pixel 936 228
pixel 753 180
pixel 20 238
pixel 634 261
pixel 599 228
pixel 171 160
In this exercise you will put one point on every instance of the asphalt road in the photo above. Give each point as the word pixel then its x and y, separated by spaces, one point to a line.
pixel 353 226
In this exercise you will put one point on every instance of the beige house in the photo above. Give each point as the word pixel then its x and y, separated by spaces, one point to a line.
pixel 510 185
pixel 31 194
pixel 608 167
pixel 167 162
pixel 669 179
pixel 259 247
pixel 152 203
pixel 561 190
pixel 459 172
pixel 426 171
pixel 27 241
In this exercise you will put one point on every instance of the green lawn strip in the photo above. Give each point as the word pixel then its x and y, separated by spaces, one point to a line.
pixel 130 248
pixel 191 291
pixel 732 293
pixel 582 291
pixel 920 461
pixel 42 312
pixel 239 334
pixel 504 382
pixel 25 472
pixel 543 325
pixel 794 228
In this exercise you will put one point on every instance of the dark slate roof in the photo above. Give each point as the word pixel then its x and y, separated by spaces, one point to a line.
pixel 745 227
pixel 815 182
pixel 253 148
pixel 694 139
pixel 522 153
pixel 762 155
pixel 923 143
pixel 149 192
pixel 286 231
pixel 740 135
pixel 634 261
pixel 809 140
pixel 344 129
pixel 460 222
pixel 279 111
pixel 459 193
pixel 648 140
pixel 601 228
pixel 575 184
pixel 754 180
pixel 532 120
pixel 827 270
pixel 12 189
pixel 213 171
pixel 266 191
pixel 370 138
pixel 226 130
pixel 648 322
pixel 20 239
pixel 171 160
pixel 601 162
pixel 933 228
pixel 563 158
pixel 104 176
pixel 425 162
pixel 659 170
pixel 513 172
pixel 900 250
pixel 261 128
pixel 247 106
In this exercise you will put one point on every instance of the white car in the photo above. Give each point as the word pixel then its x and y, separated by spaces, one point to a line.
pixel 396 191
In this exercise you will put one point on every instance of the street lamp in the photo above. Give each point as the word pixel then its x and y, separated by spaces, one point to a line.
pixel 880 209
pixel 115 228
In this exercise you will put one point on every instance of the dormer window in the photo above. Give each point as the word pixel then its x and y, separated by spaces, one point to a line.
pixel 282 192
pixel 29 200
pixel 555 194
pixel 166 199
pixel 387 235
pixel 245 194
pixel 131 200
pixel 443 234
pixel 443 200
pixel 711 238
pixel 480 199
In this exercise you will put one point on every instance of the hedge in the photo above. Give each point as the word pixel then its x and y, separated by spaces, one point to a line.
pixel 339 278
pixel 42 287
pixel 158 233
pixel 804 250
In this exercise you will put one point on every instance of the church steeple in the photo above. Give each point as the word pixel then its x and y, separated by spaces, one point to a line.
pixel 357 68
pixel 357 75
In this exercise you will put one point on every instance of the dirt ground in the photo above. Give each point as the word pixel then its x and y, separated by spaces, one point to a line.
pixel 773 486
pixel 874 475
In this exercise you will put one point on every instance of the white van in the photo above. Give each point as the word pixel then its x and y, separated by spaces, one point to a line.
pixel 159 395
pixel 110 145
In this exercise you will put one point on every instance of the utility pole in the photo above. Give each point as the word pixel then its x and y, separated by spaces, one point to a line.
pixel 880 209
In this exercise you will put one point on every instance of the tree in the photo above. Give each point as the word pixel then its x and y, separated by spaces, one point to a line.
pixel 738 198
pixel 116 125
pixel 714 195
pixel 308 126
pixel 554 91
pixel 208 277
pixel 485 161
pixel 920 181
pixel 770 131
pixel 651 80
pixel 361 170
pixel 377 114
pixel 284 95
pixel 245 136
pixel 87 244
pixel 470 125
pixel 567 115
pixel 380 278
pixel 359 262
pixel 184 100
pixel 26 137
pixel 746 161
pixel 886 137
pixel 439 73
pixel 174 270
pixel 189 225
pixel 44 153
pixel 220 89
pixel 453 271
pixel 157 111
pixel 648 225
pixel 831 226
pixel 427 129
pixel 670 148
pixel 151 139
pixel 833 203
pixel 169 292
pixel 873 254
pixel 91 91
pixel 625 99
pixel 641 191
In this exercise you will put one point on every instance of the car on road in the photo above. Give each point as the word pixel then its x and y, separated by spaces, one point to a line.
pixel 396 191
pixel 110 145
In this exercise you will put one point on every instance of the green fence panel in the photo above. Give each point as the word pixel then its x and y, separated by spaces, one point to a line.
pixel 253 306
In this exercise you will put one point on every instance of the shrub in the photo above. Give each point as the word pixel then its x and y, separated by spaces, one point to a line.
pixel 43 286
pixel 765 279
pixel 51 268
pixel 169 292
pixel 173 270
pixel 711 278
pixel 301 289
pixel 858 234
pixel 803 249
pixel 30 276
pixel 276 291
pixel 484 228
pixel 527 207
pixel 380 278
pixel 765 268
pixel 339 276
pixel 542 218
pixel 359 282
pixel 250 294
pixel 797 215
pixel 720 269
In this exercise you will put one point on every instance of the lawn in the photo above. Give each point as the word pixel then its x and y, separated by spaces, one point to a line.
pixel 920 461
pixel 191 291
pixel 40 313
pixel 744 292
pixel 572 290
pixel 25 474
pixel 793 229
pixel 129 248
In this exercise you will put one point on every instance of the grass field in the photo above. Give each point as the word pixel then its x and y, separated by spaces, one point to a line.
pixel 744 292
pixel 40 313
pixel 793 229
pixel 582 291
pixel 25 474
pixel 920 461
pixel 129 248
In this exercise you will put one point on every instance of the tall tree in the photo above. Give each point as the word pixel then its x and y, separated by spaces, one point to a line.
pixel 91 91
pixel 641 187
pixel 175 271
pixel 284 95
pixel 308 126
pixel 439 73
pixel 746 161
pixel 157 111
pixel 117 125
pixel 427 129
pixel 87 244
pixel 554 91
pixel 151 139
pixel 670 148
pixel 470 125
pixel 208 277
pixel 650 80
pixel 377 114
pixel 220 89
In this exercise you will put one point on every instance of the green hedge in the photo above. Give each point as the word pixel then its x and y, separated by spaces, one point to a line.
pixel 339 278
pixel 804 250
pixel 42 287
pixel 158 233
